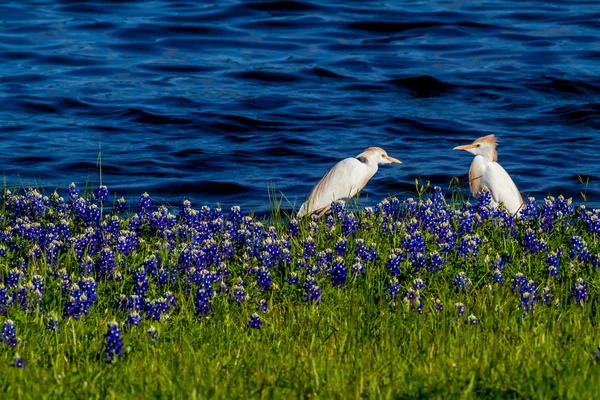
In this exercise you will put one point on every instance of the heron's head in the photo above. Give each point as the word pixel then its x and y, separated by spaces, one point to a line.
pixel 484 146
pixel 378 156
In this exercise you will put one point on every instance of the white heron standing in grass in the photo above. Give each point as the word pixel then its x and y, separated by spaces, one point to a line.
pixel 345 180
pixel 485 171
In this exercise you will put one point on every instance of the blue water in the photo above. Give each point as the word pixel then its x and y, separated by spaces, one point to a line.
pixel 217 101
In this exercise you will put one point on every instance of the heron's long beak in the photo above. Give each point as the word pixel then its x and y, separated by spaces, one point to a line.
pixel 392 159
pixel 465 147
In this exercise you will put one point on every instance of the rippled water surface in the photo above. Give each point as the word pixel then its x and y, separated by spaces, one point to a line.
pixel 216 101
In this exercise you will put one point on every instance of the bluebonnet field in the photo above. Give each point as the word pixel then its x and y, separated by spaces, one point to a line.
pixel 422 297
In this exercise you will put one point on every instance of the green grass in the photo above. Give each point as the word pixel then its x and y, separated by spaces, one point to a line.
pixel 355 344
pixel 352 348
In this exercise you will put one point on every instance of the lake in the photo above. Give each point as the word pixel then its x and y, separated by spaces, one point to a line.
pixel 218 101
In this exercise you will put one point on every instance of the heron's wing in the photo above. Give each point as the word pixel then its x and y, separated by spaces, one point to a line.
pixel 342 181
pixel 475 174
pixel 502 187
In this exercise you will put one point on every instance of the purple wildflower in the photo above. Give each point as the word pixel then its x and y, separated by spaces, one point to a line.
pixel 580 291
pixel 121 206
pixel 531 244
pixel 202 302
pixel 553 263
pixel 293 279
pixel 133 319
pixel 293 227
pixel 263 306
pixel 412 299
pixel 312 291
pixel 394 261
pixel 358 267
pixel 349 225
pixel 113 342
pixel 519 283
pixel 72 191
pixel 434 262
pixel 418 284
pixel 438 306
pixel 145 205
pixel 394 289
pixel 153 333
pixel 309 247
pixel 239 292
pixel 497 276
pixel 102 193
pixel 338 272
pixel 530 210
pixel 462 282
pixel 365 253
pixel 341 246
pixel 53 324
pixel 263 278
pixel 255 322
pixel 9 333
pixel 546 296
pixel 460 309
pixel 18 362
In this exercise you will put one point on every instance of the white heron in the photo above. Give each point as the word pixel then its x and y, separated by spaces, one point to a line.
pixel 485 171
pixel 345 180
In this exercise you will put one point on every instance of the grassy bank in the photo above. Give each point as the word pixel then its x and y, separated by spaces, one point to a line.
pixel 407 299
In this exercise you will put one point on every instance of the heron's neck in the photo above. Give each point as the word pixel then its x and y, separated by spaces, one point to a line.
pixel 368 162
pixel 362 159
pixel 483 158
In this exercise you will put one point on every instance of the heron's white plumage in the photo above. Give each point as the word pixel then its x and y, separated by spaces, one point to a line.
pixel 485 171
pixel 345 180
pixel 499 183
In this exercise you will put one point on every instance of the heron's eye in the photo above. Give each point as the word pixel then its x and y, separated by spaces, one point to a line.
pixel 478 145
